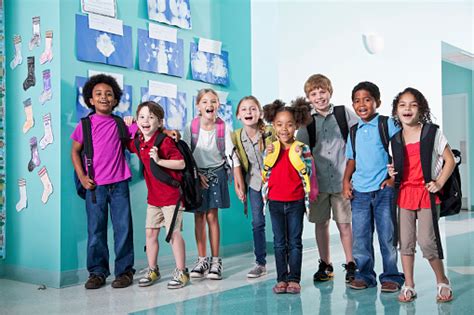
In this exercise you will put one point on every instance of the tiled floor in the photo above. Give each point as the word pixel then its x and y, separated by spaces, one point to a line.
pixel 237 295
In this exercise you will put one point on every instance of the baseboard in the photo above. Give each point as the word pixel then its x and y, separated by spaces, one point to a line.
pixel 33 276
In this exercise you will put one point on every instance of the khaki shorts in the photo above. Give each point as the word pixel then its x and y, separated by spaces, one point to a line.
pixel 320 211
pixel 157 217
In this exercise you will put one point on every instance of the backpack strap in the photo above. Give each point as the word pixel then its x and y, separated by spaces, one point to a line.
pixel 239 149
pixel 383 131
pixel 352 134
pixel 340 114
pixel 298 164
pixel 398 151
pixel 312 132
pixel 271 158
pixel 88 150
pixel 220 136
pixel 195 126
pixel 157 171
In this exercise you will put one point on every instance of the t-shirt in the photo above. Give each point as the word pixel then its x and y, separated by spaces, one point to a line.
pixel 109 161
pixel 285 183
pixel 159 193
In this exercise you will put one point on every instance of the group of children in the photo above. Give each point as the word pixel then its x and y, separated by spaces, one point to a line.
pixel 272 165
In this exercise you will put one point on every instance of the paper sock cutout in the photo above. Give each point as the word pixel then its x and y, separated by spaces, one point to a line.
pixel 35 40
pixel 30 122
pixel 35 159
pixel 23 202
pixel 30 79
pixel 47 92
pixel 48 132
pixel 47 54
pixel 48 187
pixel 18 59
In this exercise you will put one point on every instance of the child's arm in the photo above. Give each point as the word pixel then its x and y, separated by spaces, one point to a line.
pixel 239 185
pixel 86 181
pixel 171 164
pixel 346 182
pixel 446 171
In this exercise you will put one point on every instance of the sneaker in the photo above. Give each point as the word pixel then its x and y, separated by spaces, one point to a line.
pixel 215 272
pixel 180 279
pixel 94 282
pixel 151 277
pixel 201 268
pixel 257 271
pixel 325 272
pixel 123 280
pixel 350 271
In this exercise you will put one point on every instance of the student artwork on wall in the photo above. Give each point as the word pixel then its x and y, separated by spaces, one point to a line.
pixel 102 47
pixel 175 108
pixel 160 56
pixel 123 109
pixel 209 67
pixel 172 12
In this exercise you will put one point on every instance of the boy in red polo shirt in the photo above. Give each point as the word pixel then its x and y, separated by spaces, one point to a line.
pixel 162 198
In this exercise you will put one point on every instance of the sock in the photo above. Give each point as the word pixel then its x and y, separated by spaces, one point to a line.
pixel 47 186
pixel 30 122
pixel 47 54
pixel 30 79
pixel 23 203
pixel 36 38
pixel 47 92
pixel 48 132
pixel 35 159
pixel 18 59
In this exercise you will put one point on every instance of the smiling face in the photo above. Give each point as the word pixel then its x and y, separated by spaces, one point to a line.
pixel 365 105
pixel 103 99
pixel 249 113
pixel 148 122
pixel 285 127
pixel 408 110
pixel 208 105
pixel 319 99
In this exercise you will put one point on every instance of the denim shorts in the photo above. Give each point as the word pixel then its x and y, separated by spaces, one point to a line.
pixel 217 195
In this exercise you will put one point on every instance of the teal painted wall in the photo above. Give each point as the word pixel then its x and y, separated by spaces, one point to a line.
pixel 66 237
pixel 457 80
pixel 33 234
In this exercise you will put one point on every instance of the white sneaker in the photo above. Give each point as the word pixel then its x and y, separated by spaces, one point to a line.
pixel 257 271
pixel 201 268
pixel 215 272
pixel 179 280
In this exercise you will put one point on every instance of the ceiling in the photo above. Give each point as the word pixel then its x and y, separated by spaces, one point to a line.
pixel 457 56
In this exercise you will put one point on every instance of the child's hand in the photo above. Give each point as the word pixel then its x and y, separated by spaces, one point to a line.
pixel 347 190
pixel 87 182
pixel 154 155
pixel 391 170
pixel 128 120
pixel 204 181
pixel 173 134
pixel 270 148
pixel 298 150
pixel 433 186
pixel 388 182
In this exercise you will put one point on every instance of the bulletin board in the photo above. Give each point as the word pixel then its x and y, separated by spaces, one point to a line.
pixel 2 132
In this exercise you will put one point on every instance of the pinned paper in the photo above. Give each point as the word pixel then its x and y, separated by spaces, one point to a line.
pixel 222 96
pixel 102 7
pixel 210 46
pixel 162 32
pixel 105 24
pixel 162 89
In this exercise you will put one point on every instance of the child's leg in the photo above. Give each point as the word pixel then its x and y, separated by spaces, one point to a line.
pixel 408 243
pixel 320 215
pixel 258 227
pixel 278 218
pixel 214 231
pixel 178 247
pixel 345 233
pixel 200 232
pixel 322 240
pixel 152 247
pixel 362 236
pixel 121 216
pixel 341 208
pixel 294 230
pixel 385 232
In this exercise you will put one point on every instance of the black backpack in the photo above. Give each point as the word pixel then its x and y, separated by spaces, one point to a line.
pixel 450 195
pixel 190 185
pixel 340 114
pixel 87 153
pixel 383 131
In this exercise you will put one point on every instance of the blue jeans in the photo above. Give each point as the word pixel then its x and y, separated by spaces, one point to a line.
pixel 258 226
pixel 118 196
pixel 287 225
pixel 369 209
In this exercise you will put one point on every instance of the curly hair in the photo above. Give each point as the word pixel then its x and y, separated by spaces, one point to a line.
pixel 97 79
pixel 300 108
pixel 423 107
pixel 369 87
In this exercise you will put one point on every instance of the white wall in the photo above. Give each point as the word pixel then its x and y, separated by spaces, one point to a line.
pixel 293 39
